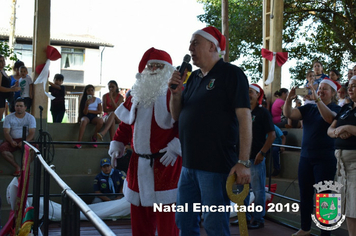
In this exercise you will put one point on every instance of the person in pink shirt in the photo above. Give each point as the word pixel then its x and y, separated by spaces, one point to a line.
pixel 277 108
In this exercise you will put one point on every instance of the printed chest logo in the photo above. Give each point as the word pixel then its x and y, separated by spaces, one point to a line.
pixel 253 118
pixel 328 206
pixel 211 85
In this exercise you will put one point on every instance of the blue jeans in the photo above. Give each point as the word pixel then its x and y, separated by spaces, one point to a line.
pixel 209 189
pixel 258 182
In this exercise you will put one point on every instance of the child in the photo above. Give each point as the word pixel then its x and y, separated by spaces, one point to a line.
pixel 310 80
pixel 280 139
pixel 342 96
pixel 58 91
pixel 89 109
pixel 298 102
pixel 15 81
pixel 26 86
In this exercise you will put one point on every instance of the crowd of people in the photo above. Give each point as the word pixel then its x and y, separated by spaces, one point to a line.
pixel 188 135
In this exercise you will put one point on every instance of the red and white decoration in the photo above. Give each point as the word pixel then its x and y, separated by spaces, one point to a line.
pixel 43 69
pixel 280 57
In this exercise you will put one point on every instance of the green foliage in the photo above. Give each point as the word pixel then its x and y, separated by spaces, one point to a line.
pixel 8 53
pixel 313 30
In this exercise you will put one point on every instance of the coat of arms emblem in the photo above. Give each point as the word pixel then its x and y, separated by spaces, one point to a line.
pixel 328 206
pixel 211 84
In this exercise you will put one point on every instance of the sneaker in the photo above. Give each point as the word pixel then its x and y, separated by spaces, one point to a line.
pixel 78 146
pixel 256 225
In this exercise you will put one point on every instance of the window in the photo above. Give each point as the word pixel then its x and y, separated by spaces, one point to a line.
pixel 72 58
pixel 24 53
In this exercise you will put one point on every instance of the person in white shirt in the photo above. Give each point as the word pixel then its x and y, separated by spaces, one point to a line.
pixel 89 109
pixel 13 126
pixel 26 85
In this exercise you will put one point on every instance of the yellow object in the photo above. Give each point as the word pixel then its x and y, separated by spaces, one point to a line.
pixel 25 228
pixel 186 78
pixel 239 200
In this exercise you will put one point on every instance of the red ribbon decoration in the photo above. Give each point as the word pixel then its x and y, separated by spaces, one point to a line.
pixel 52 54
pixel 281 57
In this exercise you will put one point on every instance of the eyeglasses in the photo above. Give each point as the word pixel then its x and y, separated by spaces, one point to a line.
pixel 156 65
pixel 346 114
pixel 352 86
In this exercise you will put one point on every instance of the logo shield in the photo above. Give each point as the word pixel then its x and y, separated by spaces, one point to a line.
pixel 211 84
pixel 328 208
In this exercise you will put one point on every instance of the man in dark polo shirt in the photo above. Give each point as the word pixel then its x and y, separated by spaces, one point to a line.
pixel 213 113
pixel 263 135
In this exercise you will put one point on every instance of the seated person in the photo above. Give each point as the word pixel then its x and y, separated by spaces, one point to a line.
pixel 13 127
pixel 110 180
pixel 89 109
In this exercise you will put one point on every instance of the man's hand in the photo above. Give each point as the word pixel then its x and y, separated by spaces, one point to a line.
pixel 243 174
pixel 13 143
pixel 344 135
pixel 259 158
pixel 116 150
pixel 168 158
pixel 176 79
pixel 173 150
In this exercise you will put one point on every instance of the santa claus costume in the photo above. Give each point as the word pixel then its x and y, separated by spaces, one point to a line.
pixel 155 165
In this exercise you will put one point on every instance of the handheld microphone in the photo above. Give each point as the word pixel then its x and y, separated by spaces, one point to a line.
pixel 41 108
pixel 184 65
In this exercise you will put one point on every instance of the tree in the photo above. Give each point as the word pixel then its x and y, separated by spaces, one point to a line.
pixel 8 53
pixel 313 30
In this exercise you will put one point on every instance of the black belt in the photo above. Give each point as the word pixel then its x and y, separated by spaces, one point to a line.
pixel 152 156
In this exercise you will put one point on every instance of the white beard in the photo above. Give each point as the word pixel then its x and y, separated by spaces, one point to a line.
pixel 148 87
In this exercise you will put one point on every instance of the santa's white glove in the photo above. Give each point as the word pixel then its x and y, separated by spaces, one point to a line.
pixel 116 150
pixel 173 150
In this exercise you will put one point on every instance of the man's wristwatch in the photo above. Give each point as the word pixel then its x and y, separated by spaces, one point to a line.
pixel 263 153
pixel 247 163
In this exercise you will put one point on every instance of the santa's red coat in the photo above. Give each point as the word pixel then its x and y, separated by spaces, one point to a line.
pixel 149 130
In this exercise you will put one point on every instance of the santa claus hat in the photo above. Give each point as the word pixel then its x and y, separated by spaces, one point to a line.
pixel 214 35
pixel 259 90
pixel 353 77
pixel 334 84
pixel 153 55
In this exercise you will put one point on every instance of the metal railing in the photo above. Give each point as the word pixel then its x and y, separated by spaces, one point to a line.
pixel 270 172
pixel 276 194
pixel 72 204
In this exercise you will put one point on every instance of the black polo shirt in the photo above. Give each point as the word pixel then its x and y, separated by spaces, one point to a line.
pixel 262 124
pixel 208 126
pixel 346 116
